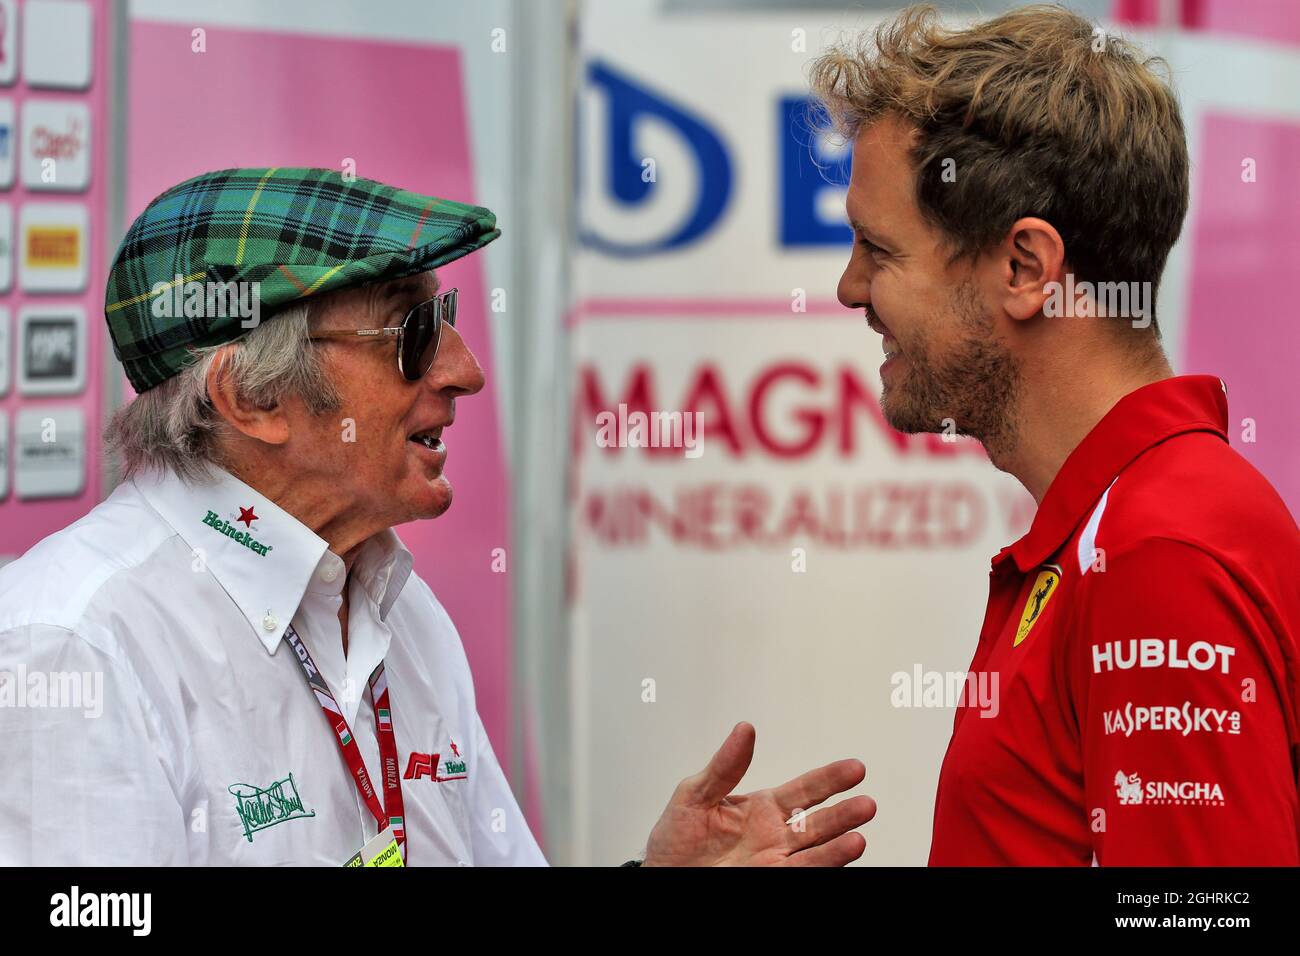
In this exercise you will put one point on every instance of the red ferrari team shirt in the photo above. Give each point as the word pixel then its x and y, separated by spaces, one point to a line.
pixel 1143 639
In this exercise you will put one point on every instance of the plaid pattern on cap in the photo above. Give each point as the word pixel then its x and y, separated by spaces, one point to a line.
pixel 296 232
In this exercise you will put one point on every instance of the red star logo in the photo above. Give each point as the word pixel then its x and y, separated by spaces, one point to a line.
pixel 454 749
pixel 246 515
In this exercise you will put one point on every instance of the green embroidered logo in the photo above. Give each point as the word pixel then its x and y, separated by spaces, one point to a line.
pixel 213 521
pixel 259 809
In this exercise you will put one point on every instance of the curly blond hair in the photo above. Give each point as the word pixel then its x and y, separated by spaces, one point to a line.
pixel 1042 114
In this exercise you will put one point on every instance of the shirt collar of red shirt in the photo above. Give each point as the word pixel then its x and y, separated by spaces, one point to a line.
pixel 1140 420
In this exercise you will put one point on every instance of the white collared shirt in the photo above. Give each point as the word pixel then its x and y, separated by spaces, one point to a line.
pixel 150 714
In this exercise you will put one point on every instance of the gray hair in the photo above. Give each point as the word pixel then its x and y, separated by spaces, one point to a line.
pixel 174 426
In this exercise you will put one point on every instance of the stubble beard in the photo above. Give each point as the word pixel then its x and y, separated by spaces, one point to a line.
pixel 972 390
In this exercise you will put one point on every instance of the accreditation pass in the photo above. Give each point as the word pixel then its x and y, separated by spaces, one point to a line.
pixel 380 850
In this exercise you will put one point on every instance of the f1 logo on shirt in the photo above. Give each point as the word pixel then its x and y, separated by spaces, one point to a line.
pixel 1156 652
pixel 432 766
pixel 421 765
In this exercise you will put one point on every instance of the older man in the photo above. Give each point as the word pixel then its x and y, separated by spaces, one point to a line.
pixel 241 601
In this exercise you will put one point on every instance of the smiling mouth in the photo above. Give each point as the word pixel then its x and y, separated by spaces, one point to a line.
pixel 888 343
pixel 431 439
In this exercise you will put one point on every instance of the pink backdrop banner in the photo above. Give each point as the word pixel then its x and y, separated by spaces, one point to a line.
pixel 1277 20
pixel 274 99
pixel 1242 314
pixel 23 523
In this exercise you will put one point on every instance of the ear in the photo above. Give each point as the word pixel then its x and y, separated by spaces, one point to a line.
pixel 1031 256
pixel 266 425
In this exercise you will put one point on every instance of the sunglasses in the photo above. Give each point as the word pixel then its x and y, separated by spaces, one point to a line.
pixel 417 337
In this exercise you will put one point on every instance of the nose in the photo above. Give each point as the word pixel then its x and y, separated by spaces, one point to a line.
pixel 455 370
pixel 854 290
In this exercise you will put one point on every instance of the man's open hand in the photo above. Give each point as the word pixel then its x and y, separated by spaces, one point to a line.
pixel 704 825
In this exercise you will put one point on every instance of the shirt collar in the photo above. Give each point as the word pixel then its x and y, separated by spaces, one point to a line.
pixel 264 557
pixel 1140 420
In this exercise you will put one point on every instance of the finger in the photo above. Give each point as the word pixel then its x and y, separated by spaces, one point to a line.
pixel 841 851
pixel 725 770
pixel 811 788
pixel 827 824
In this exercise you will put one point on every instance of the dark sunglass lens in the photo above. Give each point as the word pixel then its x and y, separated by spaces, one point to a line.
pixel 419 341
pixel 449 307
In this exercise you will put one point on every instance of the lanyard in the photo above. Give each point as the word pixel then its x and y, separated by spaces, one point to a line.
pixel 351 754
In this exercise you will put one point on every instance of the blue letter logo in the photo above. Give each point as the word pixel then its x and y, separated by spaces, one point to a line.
pixel 814 175
pixel 625 168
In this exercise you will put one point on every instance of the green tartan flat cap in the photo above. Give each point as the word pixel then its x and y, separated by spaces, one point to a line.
pixel 293 232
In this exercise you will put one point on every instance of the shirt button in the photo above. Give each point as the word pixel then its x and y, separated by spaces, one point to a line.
pixel 268 622
pixel 329 574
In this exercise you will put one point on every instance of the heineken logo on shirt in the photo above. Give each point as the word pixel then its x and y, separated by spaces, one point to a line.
pixel 261 808
pixel 453 767
pixel 232 531
pixel 435 767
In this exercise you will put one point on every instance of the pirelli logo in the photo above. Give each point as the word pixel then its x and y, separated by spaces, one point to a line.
pixel 234 534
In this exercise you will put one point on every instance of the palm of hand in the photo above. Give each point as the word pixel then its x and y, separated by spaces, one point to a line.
pixel 706 825
pixel 746 830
